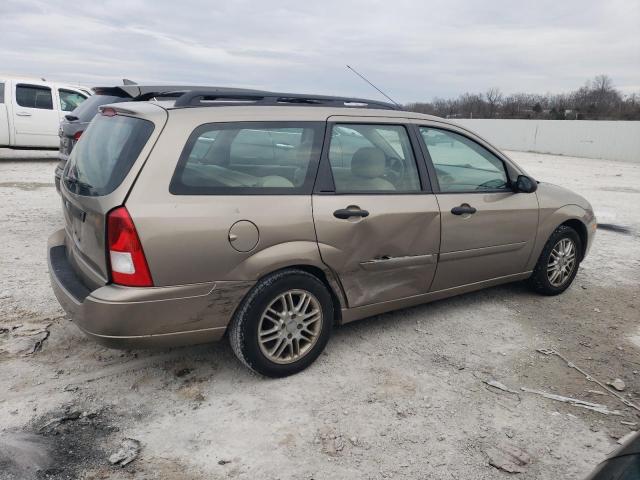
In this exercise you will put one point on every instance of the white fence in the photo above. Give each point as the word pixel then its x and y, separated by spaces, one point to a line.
pixel 611 140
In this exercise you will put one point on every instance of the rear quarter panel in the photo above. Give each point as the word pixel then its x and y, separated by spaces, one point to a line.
pixel 186 237
pixel 91 259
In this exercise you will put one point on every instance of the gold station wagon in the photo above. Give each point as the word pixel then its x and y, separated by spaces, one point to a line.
pixel 270 218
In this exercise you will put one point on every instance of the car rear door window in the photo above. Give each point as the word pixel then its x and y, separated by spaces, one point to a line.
pixel 372 158
pixel 34 96
pixel 249 158
pixel 69 100
pixel 1 92
pixel 461 164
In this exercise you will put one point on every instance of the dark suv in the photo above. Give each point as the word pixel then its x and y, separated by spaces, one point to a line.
pixel 77 121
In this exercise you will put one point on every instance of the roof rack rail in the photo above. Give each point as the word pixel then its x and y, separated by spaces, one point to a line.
pixel 159 94
pixel 177 91
pixel 203 98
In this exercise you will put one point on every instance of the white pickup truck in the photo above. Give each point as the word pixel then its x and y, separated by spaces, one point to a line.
pixel 31 110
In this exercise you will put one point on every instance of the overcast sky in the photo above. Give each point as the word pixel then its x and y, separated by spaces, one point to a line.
pixel 414 50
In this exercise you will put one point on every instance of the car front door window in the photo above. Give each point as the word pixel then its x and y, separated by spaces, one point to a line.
pixel 461 164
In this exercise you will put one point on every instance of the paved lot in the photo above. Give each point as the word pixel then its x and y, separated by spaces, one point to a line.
pixel 396 396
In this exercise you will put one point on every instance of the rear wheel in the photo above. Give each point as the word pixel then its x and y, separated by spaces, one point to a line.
pixel 558 262
pixel 283 324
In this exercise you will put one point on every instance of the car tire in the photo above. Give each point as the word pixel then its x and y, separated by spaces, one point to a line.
pixel 274 314
pixel 554 272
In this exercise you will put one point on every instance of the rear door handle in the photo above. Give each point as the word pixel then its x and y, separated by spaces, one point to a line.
pixel 23 114
pixel 462 209
pixel 345 213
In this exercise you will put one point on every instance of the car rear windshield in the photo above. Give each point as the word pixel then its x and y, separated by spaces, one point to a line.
pixel 89 108
pixel 105 153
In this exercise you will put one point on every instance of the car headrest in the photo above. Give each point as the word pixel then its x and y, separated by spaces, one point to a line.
pixel 368 162
pixel 275 181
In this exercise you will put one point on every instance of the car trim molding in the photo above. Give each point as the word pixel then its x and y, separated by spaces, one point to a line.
pixel 480 252
pixel 388 263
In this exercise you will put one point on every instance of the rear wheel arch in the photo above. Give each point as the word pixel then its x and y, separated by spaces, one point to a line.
pixel 332 285
pixel 244 328
pixel 326 278
pixel 266 261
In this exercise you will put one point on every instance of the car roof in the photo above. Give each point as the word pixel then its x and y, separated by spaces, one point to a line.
pixel 293 113
pixel 209 114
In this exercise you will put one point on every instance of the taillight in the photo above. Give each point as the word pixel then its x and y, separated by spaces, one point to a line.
pixel 128 263
pixel 77 135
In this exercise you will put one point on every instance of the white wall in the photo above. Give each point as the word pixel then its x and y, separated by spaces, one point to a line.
pixel 611 140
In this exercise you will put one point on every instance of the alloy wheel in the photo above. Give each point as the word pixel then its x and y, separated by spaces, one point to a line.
pixel 290 326
pixel 562 262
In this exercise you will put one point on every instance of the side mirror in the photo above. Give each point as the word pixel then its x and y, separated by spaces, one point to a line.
pixel 526 184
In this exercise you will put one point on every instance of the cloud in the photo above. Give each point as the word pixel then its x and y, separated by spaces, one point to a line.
pixel 412 50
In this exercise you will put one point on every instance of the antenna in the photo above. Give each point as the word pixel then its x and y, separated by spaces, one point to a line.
pixel 363 77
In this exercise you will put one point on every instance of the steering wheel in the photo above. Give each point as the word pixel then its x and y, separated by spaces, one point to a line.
pixel 395 169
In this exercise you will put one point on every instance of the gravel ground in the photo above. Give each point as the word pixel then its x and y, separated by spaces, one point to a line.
pixel 400 395
pixel 19 154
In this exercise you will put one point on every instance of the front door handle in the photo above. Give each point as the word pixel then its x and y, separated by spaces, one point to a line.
pixel 462 209
pixel 345 213
pixel 23 114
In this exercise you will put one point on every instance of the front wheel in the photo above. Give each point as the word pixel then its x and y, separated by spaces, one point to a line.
pixel 558 262
pixel 283 324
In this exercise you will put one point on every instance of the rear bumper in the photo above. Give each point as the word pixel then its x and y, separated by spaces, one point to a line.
pixel 127 317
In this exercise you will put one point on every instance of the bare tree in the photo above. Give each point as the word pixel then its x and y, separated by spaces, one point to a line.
pixel 494 98
pixel 520 105
pixel 597 99
pixel 471 105
pixel 602 84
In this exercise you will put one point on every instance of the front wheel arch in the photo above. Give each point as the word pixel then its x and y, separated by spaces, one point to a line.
pixel 581 229
pixel 539 280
